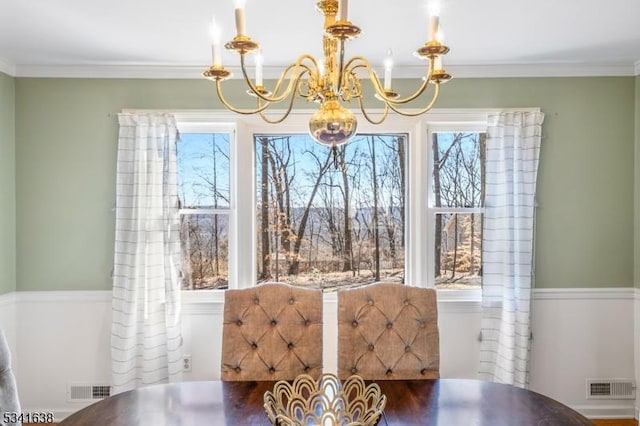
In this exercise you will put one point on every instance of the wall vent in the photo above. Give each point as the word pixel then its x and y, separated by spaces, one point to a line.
pixel 611 389
pixel 79 392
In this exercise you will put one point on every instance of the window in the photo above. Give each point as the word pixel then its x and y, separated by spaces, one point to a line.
pixel 456 200
pixel 205 199
pixel 262 203
pixel 330 218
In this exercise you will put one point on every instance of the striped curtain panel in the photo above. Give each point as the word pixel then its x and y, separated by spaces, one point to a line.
pixel 146 338
pixel 513 147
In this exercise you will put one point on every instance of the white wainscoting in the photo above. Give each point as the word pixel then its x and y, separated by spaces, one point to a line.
pixel 63 337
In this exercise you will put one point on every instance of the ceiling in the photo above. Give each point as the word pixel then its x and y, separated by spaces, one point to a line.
pixel 166 37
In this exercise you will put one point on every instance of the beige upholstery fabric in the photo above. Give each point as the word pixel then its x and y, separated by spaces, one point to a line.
pixel 272 332
pixel 388 332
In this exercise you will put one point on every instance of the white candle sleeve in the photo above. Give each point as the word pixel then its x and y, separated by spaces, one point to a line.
pixel 259 81
pixel 344 10
pixel 240 22
pixel 433 27
pixel 217 59
pixel 437 65
pixel 388 68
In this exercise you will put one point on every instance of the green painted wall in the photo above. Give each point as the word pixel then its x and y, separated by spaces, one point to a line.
pixel 66 137
pixel 7 185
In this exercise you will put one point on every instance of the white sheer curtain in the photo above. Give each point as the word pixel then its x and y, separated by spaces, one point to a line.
pixel 513 146
pixel 146 338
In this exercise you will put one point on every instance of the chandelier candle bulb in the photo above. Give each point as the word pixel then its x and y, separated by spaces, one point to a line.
pixel 344 10
pixel 240 17
pixel 388 68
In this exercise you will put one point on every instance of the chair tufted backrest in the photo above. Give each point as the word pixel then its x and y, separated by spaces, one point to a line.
pixel 272 332
pixel 9 402
pixel 388 331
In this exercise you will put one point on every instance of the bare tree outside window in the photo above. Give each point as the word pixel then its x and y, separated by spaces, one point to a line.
pixel 330 219
pixel 458 192
pixel 203 179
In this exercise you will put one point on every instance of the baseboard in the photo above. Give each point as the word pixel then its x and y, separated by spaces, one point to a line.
pixel 606 411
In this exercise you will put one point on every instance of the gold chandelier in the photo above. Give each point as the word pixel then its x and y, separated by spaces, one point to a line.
pixel 331 82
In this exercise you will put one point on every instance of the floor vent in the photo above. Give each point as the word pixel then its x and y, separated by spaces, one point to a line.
pixel 84 392
pixel 611 389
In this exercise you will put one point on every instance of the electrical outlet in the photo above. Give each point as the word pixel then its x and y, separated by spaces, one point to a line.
pixel 186 363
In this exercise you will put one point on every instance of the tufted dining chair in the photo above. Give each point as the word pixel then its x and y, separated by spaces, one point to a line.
pixel 388 331
pixel 9 402
pixel 272 331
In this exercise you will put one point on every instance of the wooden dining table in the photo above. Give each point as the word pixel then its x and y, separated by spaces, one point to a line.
pixel 442 402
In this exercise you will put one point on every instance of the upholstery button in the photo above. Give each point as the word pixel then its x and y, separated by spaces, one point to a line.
pixel 291 300
pixel 423 324
pixel 239 322
pixel 307 322
pixel 354 323
pixel 273 322
pixel 407 348
pixel 370 301
pixel 306 368
pixel 256 301
pixel 254 345
pixel 389 324
pixel 238 369
pixel 272 370
pixel 389 372
pixel 354 370
pixel 406 302
pixel 371 347
pixel 290 345
pixel 423 371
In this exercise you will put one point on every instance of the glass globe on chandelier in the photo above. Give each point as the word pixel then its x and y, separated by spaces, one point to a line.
pixel 329 82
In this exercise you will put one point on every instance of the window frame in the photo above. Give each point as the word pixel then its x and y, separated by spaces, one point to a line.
pixel 420 227
pixel 446 126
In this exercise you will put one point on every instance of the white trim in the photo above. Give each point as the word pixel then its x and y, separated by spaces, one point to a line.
pixel 7 68
pixel 61 296
pixel 542 70
pixel 111 71
pixel 605 411
pixel 413 71
pixel 7 299
pixel 637 68
pixel 217 296
pixel 623 293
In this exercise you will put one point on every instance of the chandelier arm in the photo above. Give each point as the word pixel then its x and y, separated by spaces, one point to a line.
pixel 369 119
pixel 232 108
pixel 287 112
pixel 278 97
pixel 361 62
pixel 423 110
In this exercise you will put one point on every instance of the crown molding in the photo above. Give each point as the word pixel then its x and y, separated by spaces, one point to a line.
pixel 543 70
pixel 110 71
pixel 7 67
pixel 195 71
